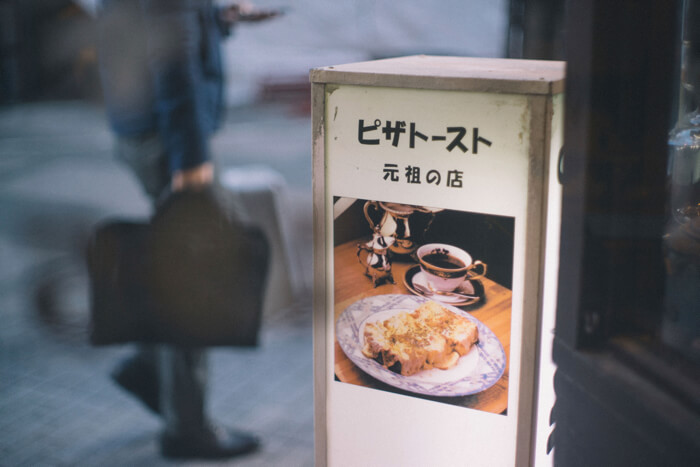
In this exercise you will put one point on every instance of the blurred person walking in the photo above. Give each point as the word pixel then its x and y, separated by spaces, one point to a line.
pixel 162 79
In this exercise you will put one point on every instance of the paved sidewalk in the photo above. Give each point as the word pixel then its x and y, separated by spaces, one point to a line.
pixel 58 406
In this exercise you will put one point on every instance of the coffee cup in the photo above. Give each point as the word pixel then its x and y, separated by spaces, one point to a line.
pixel 445 266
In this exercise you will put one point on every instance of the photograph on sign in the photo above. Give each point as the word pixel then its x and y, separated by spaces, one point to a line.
pixel 423 301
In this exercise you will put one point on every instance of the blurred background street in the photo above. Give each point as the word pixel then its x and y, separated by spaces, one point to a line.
pixel 58 405
pixel 58 178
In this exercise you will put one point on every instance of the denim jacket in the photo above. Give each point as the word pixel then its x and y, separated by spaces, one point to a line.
pixel 161 72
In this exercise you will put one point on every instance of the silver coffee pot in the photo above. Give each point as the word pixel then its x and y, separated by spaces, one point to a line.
pixel 377 262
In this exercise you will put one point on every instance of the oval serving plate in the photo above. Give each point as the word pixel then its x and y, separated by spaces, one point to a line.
pixel 480 369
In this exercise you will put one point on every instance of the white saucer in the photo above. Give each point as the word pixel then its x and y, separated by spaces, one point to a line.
pixel 414 275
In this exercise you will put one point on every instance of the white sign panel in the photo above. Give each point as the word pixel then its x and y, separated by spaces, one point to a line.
pixel 427 276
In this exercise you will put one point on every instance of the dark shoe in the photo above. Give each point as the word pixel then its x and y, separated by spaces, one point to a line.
pixel 212 443
pixel 139 377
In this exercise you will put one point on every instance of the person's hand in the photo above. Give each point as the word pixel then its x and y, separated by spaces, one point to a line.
pixel 193 178
pixel 246 11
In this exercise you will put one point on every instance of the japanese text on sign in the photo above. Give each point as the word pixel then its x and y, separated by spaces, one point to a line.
pixel 456 135
pixel 412 174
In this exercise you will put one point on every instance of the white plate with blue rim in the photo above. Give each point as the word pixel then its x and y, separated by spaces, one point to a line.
pixel 474 372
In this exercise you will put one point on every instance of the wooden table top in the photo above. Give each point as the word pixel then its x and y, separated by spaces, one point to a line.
pixel 494 311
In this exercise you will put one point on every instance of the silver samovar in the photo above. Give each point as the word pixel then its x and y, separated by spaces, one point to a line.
pixel 395 223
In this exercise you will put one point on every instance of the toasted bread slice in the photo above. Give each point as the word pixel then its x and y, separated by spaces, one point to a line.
pixel 429 337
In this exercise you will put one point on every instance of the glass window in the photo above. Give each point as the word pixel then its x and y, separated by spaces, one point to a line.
pixel 680 327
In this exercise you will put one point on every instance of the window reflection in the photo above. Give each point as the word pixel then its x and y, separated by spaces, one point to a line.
pixel 681 324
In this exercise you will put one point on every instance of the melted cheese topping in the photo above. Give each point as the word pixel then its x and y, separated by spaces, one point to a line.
pixel 429 337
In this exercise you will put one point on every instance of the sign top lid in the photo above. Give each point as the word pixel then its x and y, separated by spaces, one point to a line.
pixel 496 75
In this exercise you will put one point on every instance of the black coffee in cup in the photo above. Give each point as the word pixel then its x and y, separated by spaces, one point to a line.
pixel 445 266
pixel 444 261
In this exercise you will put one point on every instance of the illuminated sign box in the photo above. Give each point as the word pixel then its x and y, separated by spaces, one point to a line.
pixel 435 213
